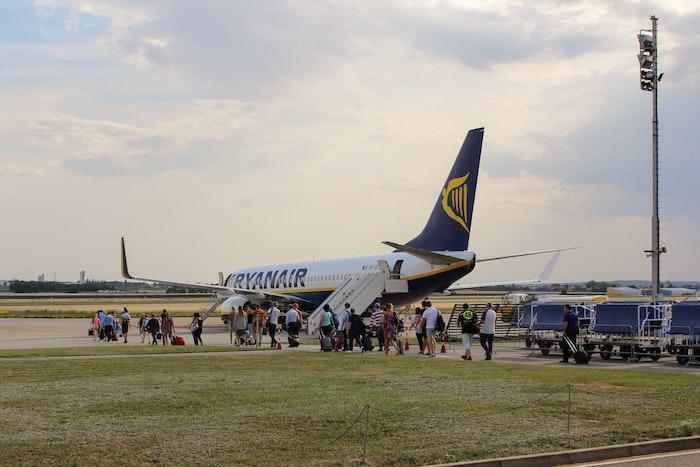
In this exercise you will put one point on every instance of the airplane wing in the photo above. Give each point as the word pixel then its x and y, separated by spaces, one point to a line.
pixel 220 289
pixel 529 253
pixel 541 279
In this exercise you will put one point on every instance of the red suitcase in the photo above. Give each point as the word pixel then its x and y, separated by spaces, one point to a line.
pixel 178 340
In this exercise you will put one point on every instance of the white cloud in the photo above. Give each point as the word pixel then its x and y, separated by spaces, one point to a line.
pixel 238 133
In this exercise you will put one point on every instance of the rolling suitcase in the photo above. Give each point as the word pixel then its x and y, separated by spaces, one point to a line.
pixel 367 343
pixel 178 340
pixel 293 340
pixel 580 356
pixel 326 343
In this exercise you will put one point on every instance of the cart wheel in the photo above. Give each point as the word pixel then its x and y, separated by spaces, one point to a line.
pixel 545 351
pixel 528 342
pixel 605 352
pixel 655 354
pixel 625 352
pixel 682 359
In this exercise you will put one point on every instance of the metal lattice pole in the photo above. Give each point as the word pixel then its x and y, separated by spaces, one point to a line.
pixel 656 256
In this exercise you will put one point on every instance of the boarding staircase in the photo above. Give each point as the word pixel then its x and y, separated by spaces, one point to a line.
pixel 359 290
pixel 206 311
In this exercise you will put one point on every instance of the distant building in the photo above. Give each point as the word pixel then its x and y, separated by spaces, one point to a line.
pixel 41 278
pixel 675 291
pixel 82 277
pixel 617 291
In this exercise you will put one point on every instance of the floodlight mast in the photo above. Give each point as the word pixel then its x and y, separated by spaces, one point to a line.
pixel 649 81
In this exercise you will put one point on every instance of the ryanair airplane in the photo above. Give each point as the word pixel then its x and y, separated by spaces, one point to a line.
pixel 431 262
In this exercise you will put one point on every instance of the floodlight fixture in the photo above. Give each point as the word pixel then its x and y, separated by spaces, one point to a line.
pixel 646 61
pixel 646 42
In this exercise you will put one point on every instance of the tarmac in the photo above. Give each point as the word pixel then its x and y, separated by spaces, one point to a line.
pixel 33 333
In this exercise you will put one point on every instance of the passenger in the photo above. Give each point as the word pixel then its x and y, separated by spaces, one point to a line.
pixel 196 327
pixel 101 315
pixel 343 337
pixel 126 319
pixel 467 320
pixel 293 322
pixel 153 328
pixel 108 324
pixel 259 317
pixel 95 323
pixel 326 322
pixel 488 330
pixel 570 329
pixel 229 324
pixel 357 330
pixel 390 325
pixel 239 325
pixel 428 322
pixel 273 316
pixel 143 327
pixel 249 312
pixel 375 324
pixel 167 327
pixel 415 324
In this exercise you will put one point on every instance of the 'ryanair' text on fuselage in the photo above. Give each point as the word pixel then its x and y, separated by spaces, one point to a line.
pixel 269 279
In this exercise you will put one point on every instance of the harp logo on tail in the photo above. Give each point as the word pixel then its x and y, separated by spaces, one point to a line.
pixel 454 200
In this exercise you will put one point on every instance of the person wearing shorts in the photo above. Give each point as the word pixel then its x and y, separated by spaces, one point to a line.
pixel 467 319
pixel 239 326
pixel 126 319
pixel 428 322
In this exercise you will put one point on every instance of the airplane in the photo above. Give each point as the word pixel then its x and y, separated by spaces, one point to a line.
pixel 429 263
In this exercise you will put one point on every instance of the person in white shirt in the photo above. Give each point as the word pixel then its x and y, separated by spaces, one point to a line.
pixel 273 315
pixel 488 329
pixel 428 322
pixel 293 320
pixel 344 331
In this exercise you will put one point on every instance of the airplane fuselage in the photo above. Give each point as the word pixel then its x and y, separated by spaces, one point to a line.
pixel 312 281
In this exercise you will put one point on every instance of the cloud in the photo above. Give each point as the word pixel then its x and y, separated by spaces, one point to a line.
pixel 339 122
pixel 102 147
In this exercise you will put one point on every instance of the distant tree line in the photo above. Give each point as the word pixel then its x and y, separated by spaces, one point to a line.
pixel 36 286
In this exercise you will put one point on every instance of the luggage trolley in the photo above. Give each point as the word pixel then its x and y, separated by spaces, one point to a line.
pixel 544 323
pixel 684 332
pixel 629 330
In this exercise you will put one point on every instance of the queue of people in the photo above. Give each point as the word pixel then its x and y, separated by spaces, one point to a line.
pixel 346 330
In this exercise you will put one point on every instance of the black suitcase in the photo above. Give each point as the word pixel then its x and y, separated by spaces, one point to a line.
pixel 293 341
pixel 580 356
pixel 367 343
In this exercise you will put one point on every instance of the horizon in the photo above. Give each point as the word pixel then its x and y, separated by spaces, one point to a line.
pixel 219 136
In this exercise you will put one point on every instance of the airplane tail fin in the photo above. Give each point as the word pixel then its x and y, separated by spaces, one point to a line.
pixel 450 223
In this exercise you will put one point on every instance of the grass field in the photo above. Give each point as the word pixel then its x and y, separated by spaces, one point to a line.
pixel 289 408
pixel 86 307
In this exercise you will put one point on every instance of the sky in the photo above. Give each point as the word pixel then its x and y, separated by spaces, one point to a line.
pixel 216 135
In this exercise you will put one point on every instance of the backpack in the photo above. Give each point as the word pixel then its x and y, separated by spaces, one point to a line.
pixel 440 323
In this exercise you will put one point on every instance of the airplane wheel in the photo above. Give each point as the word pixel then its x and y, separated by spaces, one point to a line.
pixel 606 352
pixel 682 359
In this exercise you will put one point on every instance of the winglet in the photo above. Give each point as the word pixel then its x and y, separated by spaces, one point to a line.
pixel 125 266
pixel 547 271
pixel 221 278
